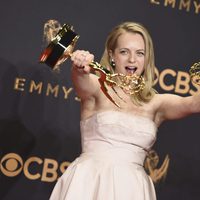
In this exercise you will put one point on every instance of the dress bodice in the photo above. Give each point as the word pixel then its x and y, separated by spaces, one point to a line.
pixel 110 129
pixel 111 165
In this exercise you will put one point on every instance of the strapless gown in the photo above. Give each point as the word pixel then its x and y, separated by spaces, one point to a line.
pixel 110 167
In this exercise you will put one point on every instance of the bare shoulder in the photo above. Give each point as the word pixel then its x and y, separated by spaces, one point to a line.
pixel 156 101
pixel 172 106
pixel 158 104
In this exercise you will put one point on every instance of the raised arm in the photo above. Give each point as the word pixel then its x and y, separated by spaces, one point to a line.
pixel 175 107
pixel 85 83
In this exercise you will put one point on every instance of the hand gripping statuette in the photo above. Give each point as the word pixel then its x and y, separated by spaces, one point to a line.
pixel 61 47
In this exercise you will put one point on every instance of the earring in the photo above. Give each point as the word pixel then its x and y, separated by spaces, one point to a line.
pixel 112 63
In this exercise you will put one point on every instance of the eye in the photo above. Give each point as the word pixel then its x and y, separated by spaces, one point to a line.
pixel 140 53
pixel 11 164
pixel 124 52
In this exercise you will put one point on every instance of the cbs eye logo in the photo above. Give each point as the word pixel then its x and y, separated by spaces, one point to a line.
pixel 11 164
pixel 47 170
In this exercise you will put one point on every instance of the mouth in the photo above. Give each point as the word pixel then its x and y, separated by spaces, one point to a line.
pixel 130 69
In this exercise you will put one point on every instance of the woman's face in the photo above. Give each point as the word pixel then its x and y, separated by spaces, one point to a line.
pixel 129 54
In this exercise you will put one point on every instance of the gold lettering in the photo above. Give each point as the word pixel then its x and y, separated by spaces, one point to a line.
pixel 173 2
pixel 182 85
pixel 185 4
pixel 192 92
pixel 12 165
pixel 33 86
pixel 197 7
pixel 47 170
pixel 54 90
pixel 162 76
pixel 155 2
pixel 66 92
pixel 64 166
pixel 26 166
pixel 19 84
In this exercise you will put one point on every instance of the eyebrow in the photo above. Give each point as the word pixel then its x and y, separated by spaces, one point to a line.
pixel 124 48
pixel 140 50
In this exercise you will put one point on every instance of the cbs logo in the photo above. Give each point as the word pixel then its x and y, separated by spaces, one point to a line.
pixel 47 170
pixel 176 81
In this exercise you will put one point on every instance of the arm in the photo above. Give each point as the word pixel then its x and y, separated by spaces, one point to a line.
pixel 85 83
pixel 175 107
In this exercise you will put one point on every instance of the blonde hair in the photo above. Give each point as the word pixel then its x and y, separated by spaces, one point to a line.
pixel 149 67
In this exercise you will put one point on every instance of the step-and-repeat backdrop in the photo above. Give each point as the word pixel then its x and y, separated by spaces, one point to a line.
pixel 39 109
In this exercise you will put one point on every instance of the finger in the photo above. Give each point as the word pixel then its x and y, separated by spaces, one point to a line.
pixel 78 60
pixel 88 59
pixel 76 54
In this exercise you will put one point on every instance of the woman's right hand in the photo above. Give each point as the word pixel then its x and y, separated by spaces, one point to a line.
pixel 81 60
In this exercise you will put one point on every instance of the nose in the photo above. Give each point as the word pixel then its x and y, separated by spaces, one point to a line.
pixel 132 58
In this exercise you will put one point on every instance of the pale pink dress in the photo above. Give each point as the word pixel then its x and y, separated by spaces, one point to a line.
pixel 114 146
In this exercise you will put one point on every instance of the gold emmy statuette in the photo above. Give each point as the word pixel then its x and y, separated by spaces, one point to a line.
pixel 195 73
pixel 61 47
pixel 151 165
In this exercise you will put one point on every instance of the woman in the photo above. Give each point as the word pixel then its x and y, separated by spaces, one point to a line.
pixel 116 139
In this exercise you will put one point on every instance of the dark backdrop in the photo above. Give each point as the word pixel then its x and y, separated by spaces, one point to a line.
pixel 39 127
